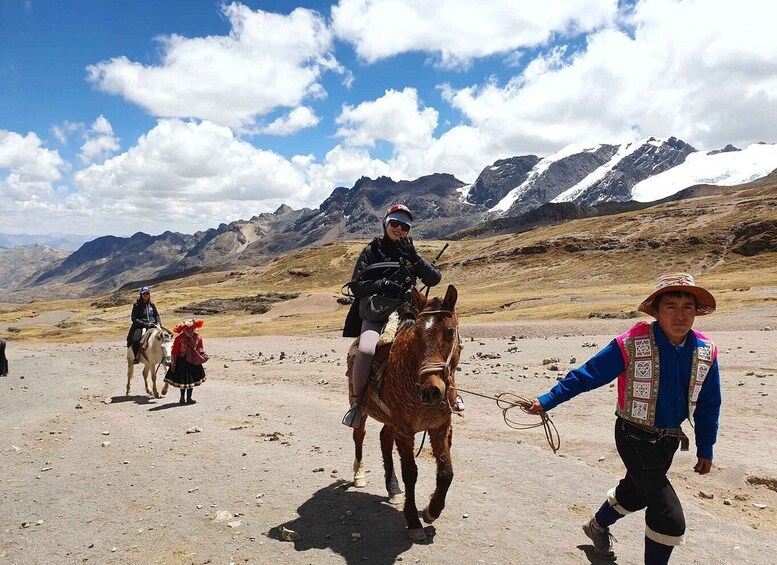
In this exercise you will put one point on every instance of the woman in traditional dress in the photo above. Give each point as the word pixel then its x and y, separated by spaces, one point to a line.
pixel 188 355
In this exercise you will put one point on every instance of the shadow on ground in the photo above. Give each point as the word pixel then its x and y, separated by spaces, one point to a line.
pixel 593 558
pixel 136 398
pixel 173 404
pixel 329 518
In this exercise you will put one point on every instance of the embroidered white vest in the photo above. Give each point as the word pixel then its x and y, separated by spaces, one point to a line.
pixel 638 384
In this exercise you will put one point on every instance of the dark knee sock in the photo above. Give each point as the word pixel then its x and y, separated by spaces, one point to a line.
pixel 606 516
pixel 183 394
pixel 657 553
pixel 189 392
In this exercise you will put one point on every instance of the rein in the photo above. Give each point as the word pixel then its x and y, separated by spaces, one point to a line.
pixel 507 401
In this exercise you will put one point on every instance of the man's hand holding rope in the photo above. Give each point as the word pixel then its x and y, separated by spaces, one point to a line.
pixel 535 408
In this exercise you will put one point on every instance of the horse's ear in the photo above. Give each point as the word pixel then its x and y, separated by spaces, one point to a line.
pixel 418 299
pixel 449 302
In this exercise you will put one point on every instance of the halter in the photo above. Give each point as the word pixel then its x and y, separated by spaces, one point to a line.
pixel 427 368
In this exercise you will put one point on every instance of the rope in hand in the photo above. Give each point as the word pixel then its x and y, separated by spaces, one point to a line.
pixel 506 401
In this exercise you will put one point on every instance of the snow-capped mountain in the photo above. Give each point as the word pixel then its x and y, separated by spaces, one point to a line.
pixel 722 168
pixel 587 175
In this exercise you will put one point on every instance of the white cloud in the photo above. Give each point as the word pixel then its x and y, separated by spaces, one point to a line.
pixel 299 118
pixel 26 160
pixel 702 72
pixel 394 117
pixel 64 130
pixel 457 31
pixel 401 119
pixel 100 142
pixel 27 188
pixel 267 61
pixel 187 176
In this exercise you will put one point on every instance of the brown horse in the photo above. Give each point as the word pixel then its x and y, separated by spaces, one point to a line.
pixel 415 394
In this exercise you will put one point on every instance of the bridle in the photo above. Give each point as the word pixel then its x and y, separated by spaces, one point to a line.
pixel 427 368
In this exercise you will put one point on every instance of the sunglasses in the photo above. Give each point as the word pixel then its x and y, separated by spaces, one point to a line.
pixel 401 225
pixel 146 294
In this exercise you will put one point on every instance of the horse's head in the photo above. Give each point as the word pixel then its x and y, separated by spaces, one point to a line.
pixel 165 338
pixel 437 331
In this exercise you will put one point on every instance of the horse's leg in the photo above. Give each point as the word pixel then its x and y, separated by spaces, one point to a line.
pixel 409 476
pixel 387 449
pixel 441 439
pixel 153 382
pixel 130 369
pixel 164 388
pixel 146 370
pixel 359 478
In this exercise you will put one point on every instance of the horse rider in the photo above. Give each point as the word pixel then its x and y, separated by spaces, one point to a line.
pixel 144 316
pixel 371 283
pixel 3 360
pixel 666 372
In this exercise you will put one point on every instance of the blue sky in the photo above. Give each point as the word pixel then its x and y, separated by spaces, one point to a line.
pixel 117 117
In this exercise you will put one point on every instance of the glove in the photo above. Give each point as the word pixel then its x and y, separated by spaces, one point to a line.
pixel 407 248
pixel 390 288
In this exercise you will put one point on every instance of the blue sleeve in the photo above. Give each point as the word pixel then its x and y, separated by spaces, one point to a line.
pixel 599 370
pixel 707 413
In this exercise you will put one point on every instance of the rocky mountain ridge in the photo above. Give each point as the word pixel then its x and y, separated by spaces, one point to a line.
pixel 511 195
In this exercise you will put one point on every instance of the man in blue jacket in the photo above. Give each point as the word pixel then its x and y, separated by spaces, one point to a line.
pixel 666 372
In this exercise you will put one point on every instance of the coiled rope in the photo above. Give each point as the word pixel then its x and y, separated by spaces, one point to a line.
pixel 506 401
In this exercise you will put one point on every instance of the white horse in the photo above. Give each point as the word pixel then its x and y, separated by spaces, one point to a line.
pixel 157 352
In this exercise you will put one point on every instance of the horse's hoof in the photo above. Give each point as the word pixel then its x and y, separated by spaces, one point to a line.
pixel 416 534
pixel 157 395
pixel 426 516
pixel 397 499
pixel 359 482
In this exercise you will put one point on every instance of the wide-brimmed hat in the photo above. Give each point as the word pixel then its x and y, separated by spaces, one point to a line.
pixel 679 282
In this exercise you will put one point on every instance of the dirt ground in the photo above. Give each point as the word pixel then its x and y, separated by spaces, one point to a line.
pixel 89 475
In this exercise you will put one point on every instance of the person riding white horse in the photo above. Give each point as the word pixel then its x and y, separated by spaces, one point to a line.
pixel 144 316
pixel 158 351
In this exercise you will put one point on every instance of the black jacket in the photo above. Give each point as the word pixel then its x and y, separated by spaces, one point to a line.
pixel 379 250
pixel 142 318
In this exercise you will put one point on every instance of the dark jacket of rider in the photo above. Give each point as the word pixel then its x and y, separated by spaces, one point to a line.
pixel 382 249
pixel 144 314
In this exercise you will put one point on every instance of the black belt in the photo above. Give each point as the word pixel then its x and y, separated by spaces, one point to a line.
pixel 660 433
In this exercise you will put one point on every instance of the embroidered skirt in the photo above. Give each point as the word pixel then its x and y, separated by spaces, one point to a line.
pixel 185 375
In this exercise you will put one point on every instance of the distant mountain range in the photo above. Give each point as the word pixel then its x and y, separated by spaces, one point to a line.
pixel 509 196
pixel 66 241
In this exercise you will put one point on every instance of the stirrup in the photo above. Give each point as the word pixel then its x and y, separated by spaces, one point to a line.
pixel 353 418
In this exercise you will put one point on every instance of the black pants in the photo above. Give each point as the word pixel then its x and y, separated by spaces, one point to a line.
pixel 646 485
pixel 133 338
